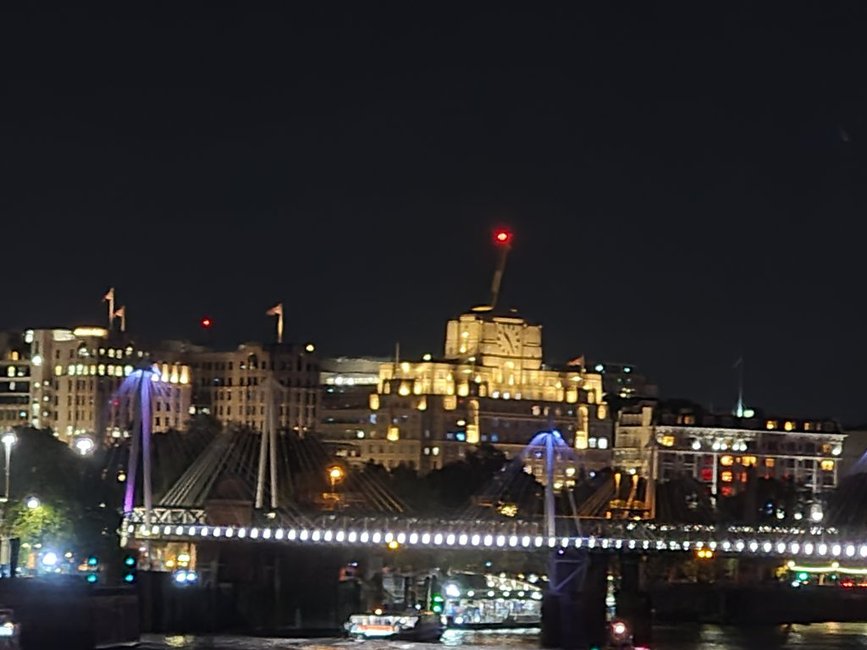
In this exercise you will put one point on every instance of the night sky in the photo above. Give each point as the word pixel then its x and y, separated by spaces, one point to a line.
pixel 685 188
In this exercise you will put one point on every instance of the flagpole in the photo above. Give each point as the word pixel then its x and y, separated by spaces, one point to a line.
pixel 110 308
pixel 280 325
pixel 123 319
pixel 277 310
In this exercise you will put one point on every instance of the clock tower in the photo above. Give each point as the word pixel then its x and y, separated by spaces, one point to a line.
pixel 505 343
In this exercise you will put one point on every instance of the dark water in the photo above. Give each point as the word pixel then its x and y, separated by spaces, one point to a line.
pixel 824 636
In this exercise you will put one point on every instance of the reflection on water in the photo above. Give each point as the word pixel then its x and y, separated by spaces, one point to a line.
pixel 825 636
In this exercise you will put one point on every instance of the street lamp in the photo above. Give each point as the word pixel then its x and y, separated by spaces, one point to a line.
pixel 84 445
pixel 32 503
pixel 335 474
pixel 8 439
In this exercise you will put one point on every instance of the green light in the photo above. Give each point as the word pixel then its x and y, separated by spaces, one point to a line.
pixel 129 577
pixel 92 578
pixel 803 577
pixel 437 603
pixel 92 561
pixel 129 560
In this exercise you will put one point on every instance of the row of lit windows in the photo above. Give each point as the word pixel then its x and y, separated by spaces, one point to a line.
pixel 169 374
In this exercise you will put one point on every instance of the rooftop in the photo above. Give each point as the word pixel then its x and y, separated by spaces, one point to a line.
pixel 685 413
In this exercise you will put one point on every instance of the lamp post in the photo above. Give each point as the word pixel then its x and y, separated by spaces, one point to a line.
pixel 84 445
pixel 335 474
pixel 8 439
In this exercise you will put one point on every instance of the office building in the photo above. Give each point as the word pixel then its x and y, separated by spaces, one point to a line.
pixel 665 440
pixel 76 379
pixel 236 386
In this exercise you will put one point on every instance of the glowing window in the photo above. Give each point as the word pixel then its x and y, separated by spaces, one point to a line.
pixel 726 476
pixel 667 441
pixel 726 461
pixel 827 465
pixel 749 461
pixel 770 462
pixel 789 425
pixel 771 425
pixel 603 443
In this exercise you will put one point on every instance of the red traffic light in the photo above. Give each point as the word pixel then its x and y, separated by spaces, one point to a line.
pixel 206 322
pixel 503 237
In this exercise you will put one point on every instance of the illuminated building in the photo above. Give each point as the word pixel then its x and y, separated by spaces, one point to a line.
pixel 490 386
pixel 14 381
pixel 235 386
pixel 663 440
pixel 75 378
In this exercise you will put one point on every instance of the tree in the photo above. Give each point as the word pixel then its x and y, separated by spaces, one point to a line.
pixel 45 525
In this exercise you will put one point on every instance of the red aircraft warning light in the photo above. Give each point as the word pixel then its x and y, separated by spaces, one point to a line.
pixel 206 322
pixel 503 237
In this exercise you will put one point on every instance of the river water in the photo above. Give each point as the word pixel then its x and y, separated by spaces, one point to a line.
pixel 824 636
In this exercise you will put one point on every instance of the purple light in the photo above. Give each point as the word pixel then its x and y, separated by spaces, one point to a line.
pixel 139 381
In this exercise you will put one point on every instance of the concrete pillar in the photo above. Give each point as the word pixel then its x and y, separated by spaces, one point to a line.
pixel 573 608
pixel 633 601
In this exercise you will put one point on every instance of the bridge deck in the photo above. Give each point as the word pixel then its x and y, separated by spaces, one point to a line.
pixel 601 536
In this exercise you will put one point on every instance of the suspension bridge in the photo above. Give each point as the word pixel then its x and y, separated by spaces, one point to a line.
pixel 273 488
pixel 256 495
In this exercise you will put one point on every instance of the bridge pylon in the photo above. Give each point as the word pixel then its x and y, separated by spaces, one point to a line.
pixel 139 385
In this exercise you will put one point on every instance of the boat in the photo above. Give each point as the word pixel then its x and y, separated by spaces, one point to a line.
pixel 410 626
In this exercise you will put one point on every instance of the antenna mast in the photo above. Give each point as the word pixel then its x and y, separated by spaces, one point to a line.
pixel 503 239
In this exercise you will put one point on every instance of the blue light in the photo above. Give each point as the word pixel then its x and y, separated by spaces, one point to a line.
pixel 129 578
pixel 92 561
pixel 92 578
pixel 461 436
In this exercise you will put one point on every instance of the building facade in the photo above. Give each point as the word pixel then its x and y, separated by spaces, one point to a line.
pixel 237 386
pixel 344 413
pixel 76 384
pixel 624 380
pixel 664 440
pixel 490 386
pixel 14 381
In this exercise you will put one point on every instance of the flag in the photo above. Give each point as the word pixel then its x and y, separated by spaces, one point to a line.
pixel 110 295
pixel 276 310
pixel 120 313
pixel 577 361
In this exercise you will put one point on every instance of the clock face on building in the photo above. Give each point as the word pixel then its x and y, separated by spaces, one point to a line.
pixel 509 340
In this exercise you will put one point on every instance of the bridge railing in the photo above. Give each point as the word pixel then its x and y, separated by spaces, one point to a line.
pixel 606 535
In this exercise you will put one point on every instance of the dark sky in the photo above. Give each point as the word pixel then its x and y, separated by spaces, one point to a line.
pixel 684 187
